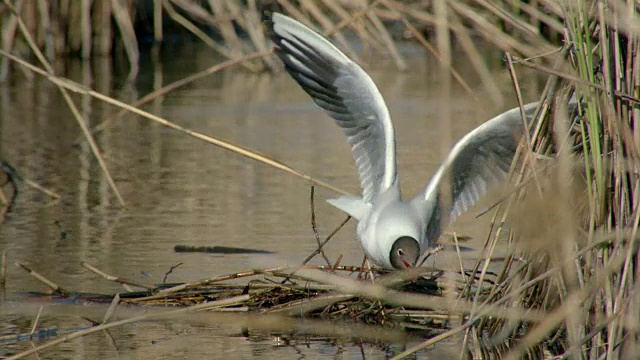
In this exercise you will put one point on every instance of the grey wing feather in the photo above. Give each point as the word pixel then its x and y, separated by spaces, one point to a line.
pixel 482 163
pixel 347 93
pixel 479 161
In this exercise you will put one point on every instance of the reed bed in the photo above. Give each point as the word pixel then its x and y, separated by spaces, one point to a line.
pixel 573 224
pixel 567 288
pixel 234 29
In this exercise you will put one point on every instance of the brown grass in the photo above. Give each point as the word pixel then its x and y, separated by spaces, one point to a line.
pixel 568 285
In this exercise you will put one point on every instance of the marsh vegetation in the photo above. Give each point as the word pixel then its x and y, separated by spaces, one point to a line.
pixel 563 280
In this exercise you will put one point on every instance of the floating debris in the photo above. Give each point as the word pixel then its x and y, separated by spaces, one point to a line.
pixel 219 250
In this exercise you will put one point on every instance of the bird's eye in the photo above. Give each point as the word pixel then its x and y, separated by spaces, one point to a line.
pixel 400 252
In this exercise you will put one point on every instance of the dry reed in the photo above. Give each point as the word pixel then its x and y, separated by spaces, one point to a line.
pixel 568 286
pixel 85 27
pixel 559 259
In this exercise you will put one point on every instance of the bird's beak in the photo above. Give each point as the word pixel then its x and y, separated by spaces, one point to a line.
pixel 405 263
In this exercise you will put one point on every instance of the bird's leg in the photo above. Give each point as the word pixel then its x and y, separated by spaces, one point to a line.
pixel 364 261
pixel 368 265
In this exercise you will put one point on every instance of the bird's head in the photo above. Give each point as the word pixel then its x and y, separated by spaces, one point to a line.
pixel 404 252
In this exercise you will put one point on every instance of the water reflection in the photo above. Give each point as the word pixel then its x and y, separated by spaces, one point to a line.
pixel 180 190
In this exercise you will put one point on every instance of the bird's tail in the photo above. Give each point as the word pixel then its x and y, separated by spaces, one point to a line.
pixel 354 206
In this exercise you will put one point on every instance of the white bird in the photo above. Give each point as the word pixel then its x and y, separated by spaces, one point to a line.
pixel 393 233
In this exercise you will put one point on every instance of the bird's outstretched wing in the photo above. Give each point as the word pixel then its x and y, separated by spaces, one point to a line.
pixel 347 93
pixel 480 160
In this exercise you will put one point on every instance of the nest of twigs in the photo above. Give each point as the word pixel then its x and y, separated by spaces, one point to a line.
pixel 284 292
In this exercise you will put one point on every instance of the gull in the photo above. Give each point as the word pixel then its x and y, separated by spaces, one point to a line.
pixel 393 233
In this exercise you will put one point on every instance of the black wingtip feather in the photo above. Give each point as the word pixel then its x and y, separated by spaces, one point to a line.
pixel 318 68
pixel 314 72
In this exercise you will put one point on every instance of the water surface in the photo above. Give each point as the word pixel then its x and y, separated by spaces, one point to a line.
pixel 180 190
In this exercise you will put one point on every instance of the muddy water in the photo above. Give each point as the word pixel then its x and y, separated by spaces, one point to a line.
pixel 180 190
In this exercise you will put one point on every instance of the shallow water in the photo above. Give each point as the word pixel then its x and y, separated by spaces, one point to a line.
pixel 180 190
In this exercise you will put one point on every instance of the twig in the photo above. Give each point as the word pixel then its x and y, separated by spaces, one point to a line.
pixel 35 323
pixel 164 279
pixel 337 263
pixel 213 304
pixel 41 188
pixel 320 246
pixel 516 86
pixel 528 154
pixel 348 268
pixel 326 240
pixel 314 226
pixel 576 79
pixel 432 251
pixel 114 278
pixel 166 292
pixel 455 238
pixel 93 322
pixel 111 309
pixel 42 279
